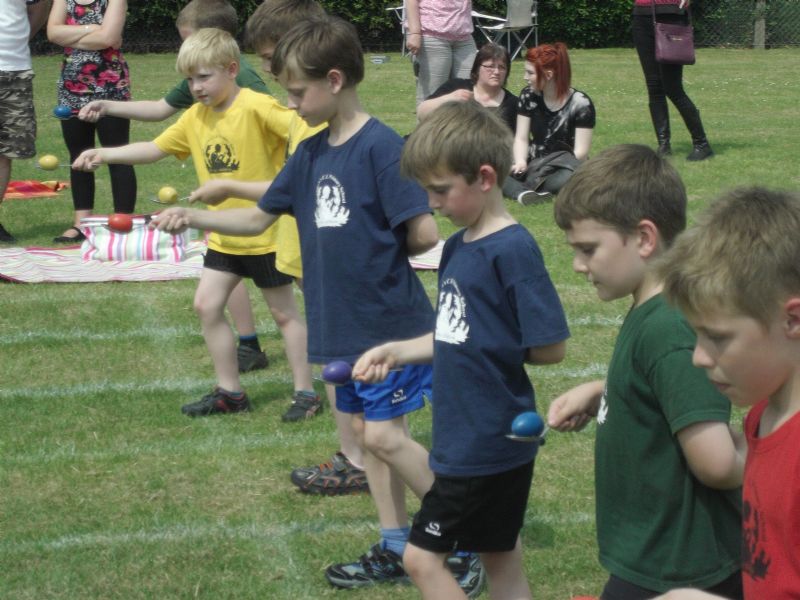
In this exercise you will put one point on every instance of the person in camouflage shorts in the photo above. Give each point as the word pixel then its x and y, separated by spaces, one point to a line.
pixel 19 21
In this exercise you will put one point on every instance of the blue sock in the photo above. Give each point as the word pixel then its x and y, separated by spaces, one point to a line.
pixel 250 340
pixel 395 539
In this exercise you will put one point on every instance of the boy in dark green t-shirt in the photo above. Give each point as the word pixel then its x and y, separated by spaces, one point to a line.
pixel 666 477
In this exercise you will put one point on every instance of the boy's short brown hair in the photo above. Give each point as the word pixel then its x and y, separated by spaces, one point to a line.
pixel 743 255
pixel 199 14
pixel 458 137
pixel 620 187
pixel 312 48
pixel 208 47
pixel 273 18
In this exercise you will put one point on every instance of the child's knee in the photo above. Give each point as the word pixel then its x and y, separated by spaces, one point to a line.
pixel 206 309
pixel 420 564
pixel 381 439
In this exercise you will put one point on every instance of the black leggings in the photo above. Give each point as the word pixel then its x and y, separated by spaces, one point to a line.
pixel 111 131
pixel 664 81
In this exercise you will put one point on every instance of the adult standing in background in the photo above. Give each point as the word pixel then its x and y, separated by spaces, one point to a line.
pixel 666 81
pixel 93 69
pixel 19 22
pixel 439 36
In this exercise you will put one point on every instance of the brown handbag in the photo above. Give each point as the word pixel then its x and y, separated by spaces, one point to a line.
pixel 674 43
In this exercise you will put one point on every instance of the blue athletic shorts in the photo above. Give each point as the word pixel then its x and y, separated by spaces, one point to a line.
pixel 401 393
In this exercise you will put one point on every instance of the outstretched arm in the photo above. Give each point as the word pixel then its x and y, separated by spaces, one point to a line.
pixel 133 154
pixel 375 364
pixel 711 452
pixel 574 409
pixel 234 221
pixel 215 191
pixel 137 110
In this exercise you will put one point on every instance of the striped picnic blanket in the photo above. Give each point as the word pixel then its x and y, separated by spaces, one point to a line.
pixel 65 265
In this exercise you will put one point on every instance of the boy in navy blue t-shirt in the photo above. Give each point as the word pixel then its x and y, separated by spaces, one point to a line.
pixel 358 220
pixel 497 310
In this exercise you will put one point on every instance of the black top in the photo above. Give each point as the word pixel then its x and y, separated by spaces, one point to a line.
pixel 506 111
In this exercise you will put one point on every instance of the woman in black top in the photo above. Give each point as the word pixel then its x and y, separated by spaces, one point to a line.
pixel 488 76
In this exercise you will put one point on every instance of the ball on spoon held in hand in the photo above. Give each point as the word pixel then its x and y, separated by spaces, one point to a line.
pixel 120 223
pixel 48 162
pixel 168 195
pixel 62 111
pixel 527 424
pixel 337 372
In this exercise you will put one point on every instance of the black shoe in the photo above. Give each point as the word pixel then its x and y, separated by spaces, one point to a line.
pixel 70 239
pixel 700 151
pixel 378 565
pixel 6 237
pixel 250 359
pixel 217 402
pixel 664 148
pixel 304 406
pixel 334 478
pixel 468 571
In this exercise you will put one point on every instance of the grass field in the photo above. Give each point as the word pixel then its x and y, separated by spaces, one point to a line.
pixel 107 491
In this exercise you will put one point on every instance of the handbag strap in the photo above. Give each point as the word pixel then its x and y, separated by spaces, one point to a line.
pixel 688 12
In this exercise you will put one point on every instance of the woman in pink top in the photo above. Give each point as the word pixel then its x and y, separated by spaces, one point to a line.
pixel 439 36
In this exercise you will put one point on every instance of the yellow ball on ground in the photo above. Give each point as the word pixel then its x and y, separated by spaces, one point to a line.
pixel 168 195
pixel 48 162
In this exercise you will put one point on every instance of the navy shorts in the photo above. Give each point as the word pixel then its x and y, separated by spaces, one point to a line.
pixel 473 514
pixel 400 393
pixel 258 267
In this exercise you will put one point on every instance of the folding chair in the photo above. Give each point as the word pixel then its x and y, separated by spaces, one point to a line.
pixel 522 21
pixel 400 13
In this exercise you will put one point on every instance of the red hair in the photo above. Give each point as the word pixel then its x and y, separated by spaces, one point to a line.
pixel 552 57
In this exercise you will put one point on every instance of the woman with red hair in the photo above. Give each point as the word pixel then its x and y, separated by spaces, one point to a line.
pixel 554 127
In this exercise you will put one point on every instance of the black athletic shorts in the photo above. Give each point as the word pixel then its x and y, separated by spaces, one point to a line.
pixel 473 514
pixel 619 589
pixel 260 267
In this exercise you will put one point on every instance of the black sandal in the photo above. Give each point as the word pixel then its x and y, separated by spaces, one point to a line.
pixel 65 239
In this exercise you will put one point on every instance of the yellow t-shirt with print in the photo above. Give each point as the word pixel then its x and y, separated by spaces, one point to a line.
pixel 287 259
pixel 248 142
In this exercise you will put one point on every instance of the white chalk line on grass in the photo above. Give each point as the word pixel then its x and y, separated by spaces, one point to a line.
pixel 191 446
pixel 271 533
pixel 195 385
pixel 81 334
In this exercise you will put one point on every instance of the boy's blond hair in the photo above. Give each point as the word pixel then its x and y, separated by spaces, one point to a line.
pixel 622 186
pixel 458 138
pixel 742 256
pixel 312 48
pixel 273 18
pixel 199 14
pixel 208 47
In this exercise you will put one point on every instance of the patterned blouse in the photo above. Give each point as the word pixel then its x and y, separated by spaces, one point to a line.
pixel 88 75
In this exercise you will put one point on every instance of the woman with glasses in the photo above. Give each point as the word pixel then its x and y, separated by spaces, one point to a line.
pixel 485 86
pixel 554 127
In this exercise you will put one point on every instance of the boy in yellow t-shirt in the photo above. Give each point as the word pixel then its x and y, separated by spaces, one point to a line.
pixel 230 133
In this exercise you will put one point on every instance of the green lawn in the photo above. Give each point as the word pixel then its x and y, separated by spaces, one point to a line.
pixel 107 491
